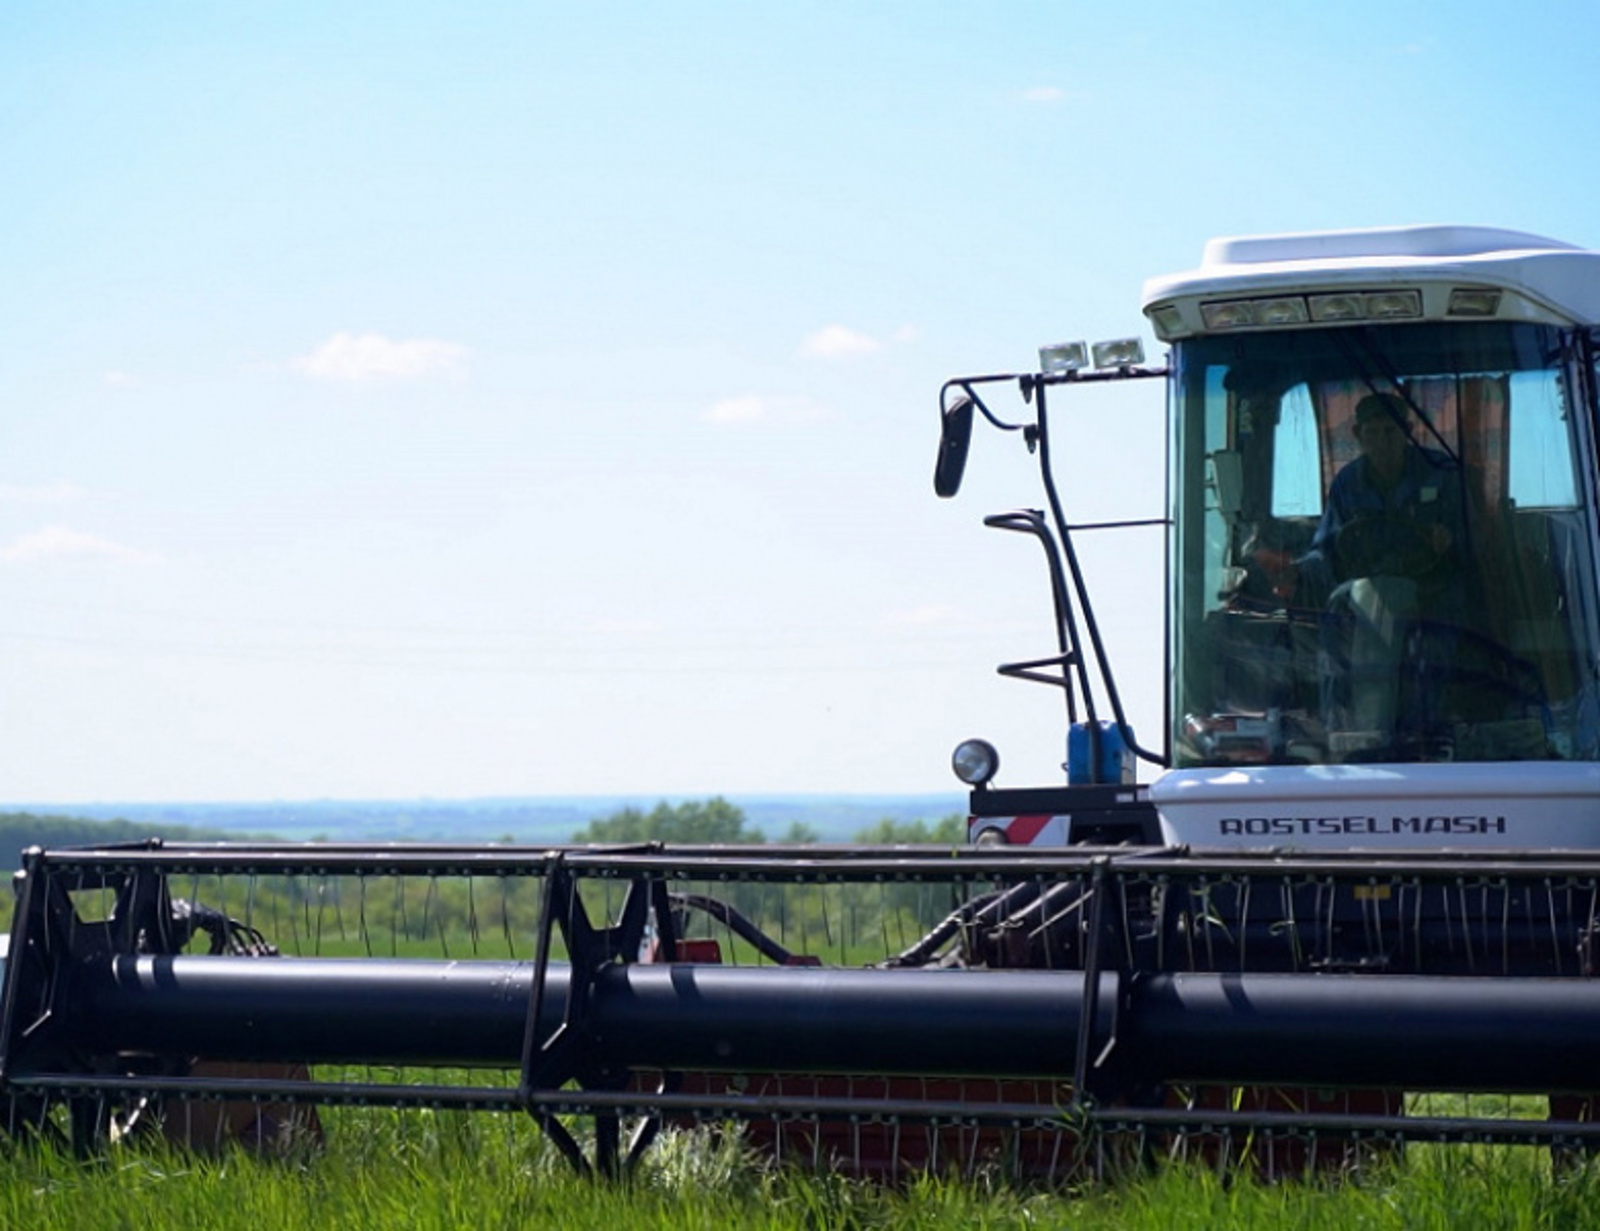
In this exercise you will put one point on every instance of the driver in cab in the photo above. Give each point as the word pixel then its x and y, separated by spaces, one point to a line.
pixel 1399 502
pixel 1388 551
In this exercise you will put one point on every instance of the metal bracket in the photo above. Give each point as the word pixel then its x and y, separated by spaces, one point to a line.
pixel 568 1053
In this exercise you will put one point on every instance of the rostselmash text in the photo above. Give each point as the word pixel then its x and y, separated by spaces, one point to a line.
pixel 1299 826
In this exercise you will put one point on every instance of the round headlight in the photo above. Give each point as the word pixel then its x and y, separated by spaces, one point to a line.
pixel 992 837
pixel 975 761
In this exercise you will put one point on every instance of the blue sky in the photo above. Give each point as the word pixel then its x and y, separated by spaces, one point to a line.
pixel 487 399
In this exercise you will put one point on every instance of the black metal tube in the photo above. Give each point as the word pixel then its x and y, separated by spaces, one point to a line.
pixel 934 1022
pixel 670 1016
pixel 1399 1031
pixel 321 1010
pixel 1418 1033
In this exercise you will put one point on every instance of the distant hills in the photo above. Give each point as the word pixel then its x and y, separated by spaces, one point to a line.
pixel 20 830
pixel 526 819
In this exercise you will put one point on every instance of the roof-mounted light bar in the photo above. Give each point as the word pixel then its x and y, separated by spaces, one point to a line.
pixel 1280 311
pixel 1167 319
pixel 1329 308
pixel 1367 306
pixel 1277 311
pixel 1473 301
pixel 1067 357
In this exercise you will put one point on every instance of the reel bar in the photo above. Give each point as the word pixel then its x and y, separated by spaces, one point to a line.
pixel 714 1107
pixel 745 864
pixel 1121 1120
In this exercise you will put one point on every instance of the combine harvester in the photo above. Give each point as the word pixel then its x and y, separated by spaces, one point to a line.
pixel 1366 876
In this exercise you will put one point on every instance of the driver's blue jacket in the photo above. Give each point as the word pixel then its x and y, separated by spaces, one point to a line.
pixel 1428 493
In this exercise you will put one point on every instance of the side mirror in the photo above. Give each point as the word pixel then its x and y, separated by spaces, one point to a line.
pixel 955 435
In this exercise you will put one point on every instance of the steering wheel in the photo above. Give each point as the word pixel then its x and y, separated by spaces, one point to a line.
pixel 1471 690
pixel 1484 663
pixel 1386 545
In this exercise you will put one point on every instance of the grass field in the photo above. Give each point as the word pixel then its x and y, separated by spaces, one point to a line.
pixel 449 1170
pixel 442 1170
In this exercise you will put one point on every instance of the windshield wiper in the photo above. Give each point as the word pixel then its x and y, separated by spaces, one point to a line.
pixel 1387 371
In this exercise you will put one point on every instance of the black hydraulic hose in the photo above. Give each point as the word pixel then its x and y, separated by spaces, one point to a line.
pixel 980 912
pixel 737 922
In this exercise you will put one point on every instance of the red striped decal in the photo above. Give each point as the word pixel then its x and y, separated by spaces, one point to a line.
pixel 1024 829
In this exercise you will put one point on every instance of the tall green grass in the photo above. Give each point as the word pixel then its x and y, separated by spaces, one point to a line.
pixel 431 1170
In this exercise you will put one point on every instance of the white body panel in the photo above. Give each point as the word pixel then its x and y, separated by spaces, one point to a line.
pixel 1524 805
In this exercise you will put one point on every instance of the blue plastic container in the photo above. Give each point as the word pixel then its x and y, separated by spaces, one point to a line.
pixel 1116 758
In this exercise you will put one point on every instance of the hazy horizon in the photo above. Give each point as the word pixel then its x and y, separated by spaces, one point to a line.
pixel 834 817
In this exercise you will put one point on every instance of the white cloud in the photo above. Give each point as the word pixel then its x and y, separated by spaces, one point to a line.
pixel 369 356
pixel 119 380
pixel 62 543
pixel 59 492
pixel 757 408
pixel 838 342
pixel 906 333
pixel 738 410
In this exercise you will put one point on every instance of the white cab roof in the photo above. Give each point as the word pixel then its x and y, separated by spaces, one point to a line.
pixel 1547 279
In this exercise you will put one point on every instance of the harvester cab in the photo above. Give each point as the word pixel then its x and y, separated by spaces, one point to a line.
pixel 1381 554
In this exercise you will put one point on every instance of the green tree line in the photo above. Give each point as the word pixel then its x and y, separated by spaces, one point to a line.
pixel 20 830
pixel 497 916
pixel 716 821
